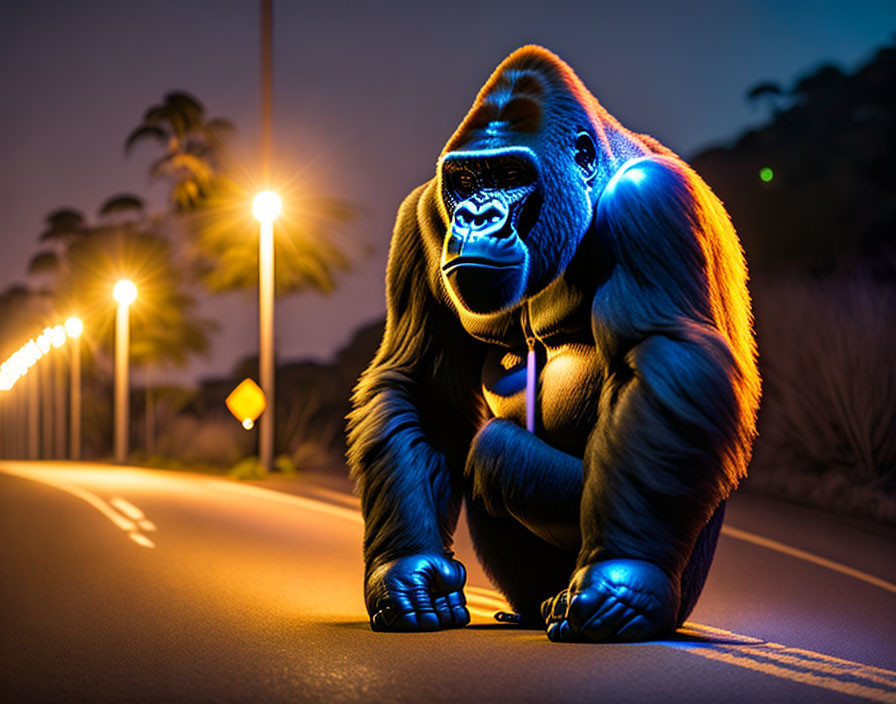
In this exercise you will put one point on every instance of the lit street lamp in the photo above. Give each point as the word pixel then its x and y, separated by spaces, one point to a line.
pixel 73 328
pixel 266 207
pixel 125 293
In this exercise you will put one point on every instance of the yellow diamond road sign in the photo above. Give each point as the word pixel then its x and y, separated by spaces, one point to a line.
pixel 246 402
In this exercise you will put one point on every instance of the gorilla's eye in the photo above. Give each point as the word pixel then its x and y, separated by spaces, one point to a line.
pixel 464 182
pixel 511 177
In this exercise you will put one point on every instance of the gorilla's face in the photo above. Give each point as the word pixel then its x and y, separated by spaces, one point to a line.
pixel 494 197
pixel 517 213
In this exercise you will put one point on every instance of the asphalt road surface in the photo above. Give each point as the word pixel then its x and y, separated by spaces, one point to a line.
pixel 123 584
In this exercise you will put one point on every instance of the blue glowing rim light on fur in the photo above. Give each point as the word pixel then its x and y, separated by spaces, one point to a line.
pixel 627 171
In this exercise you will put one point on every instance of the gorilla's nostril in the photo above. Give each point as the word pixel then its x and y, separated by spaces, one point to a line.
pixel 482 219
pixel 455 246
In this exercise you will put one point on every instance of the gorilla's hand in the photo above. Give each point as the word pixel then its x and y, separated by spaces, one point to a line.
pixel 617 600
pixel 417 593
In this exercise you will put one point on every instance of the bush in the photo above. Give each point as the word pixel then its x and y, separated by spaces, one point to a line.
pixel 827 426
pixel 215 440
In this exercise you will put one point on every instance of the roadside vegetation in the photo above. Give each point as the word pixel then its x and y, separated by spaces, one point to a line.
pixel 811 191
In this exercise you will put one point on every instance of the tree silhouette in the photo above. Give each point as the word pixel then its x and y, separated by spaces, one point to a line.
pixel 214 207
pixel 194 148
pixel 85 261
pixel 830 195
pixel 767 92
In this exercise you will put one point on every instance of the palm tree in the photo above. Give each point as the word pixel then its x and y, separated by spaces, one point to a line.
pixel 124 242
pixel 16 321
pixel 215 208
pixel 193 146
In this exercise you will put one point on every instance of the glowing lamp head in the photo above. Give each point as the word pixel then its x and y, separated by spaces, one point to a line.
pixel 57 336
pixel 248 423
pixel 43 341
pixel 266 206
pixel 125 292
pixel 74 327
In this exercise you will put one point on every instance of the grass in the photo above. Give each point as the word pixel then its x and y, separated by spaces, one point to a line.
pixel 827 426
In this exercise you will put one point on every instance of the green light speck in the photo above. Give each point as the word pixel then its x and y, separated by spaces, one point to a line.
pixel 766 174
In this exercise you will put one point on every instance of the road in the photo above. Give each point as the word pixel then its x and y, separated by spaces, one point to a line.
pixel 123 584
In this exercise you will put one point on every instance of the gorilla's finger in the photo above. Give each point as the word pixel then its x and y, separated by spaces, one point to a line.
pixel 385 619
pixel 584 605
pixel 457 602
pixel 424 611
pixel 635 628
pixel 555 609
pixel 603 625
pixel 405 622
pixel 443 610
pixel 560 632
pixel 377 622
pixel 451 611
pixel 405 613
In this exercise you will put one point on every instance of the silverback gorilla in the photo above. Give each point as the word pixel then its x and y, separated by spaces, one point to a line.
pixel 569 350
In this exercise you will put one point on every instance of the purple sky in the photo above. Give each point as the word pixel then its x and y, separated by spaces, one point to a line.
pixel 365 95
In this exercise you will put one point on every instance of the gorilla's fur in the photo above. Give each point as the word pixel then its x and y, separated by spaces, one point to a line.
pixel 634 296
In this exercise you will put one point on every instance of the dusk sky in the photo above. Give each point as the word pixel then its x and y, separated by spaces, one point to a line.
pixel 365 96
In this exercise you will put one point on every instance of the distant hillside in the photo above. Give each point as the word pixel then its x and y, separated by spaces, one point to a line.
pixel 815 189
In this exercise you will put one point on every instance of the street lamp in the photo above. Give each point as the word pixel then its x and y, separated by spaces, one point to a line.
pixel 73 328
pixel 125 293
pixel 266 207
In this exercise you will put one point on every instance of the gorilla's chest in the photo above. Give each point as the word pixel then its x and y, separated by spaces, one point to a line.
pixel 567 389
pixel 557 323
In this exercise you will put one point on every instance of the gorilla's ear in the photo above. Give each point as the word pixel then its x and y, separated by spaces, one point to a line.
pixel 586 156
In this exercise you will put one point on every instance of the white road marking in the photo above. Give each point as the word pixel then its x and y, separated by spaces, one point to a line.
pixel 125 524
pixel 141 539
pixel 748 537
pixel 127 508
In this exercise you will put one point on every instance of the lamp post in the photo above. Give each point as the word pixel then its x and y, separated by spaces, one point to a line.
pixel 266 207
pixel 57 338
pixel 73 328
pixel 125 293
pixel 46 414
pixel 33 386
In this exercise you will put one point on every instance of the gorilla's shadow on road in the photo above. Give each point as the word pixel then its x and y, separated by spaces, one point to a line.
pixel 677 639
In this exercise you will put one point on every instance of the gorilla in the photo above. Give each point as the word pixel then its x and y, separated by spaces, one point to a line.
pixel 569 352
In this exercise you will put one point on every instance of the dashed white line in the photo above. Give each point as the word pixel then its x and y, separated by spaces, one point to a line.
pixel 131 527
pixel 127 508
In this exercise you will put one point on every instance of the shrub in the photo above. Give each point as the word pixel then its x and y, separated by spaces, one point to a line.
pixel 213 440
pixel 827 426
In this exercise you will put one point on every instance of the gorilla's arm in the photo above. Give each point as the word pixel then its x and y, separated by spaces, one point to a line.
pixel 415 411
pixel 513 472
pixel 667 447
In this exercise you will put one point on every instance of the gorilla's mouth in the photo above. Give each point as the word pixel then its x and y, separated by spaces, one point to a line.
pixel 478 262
